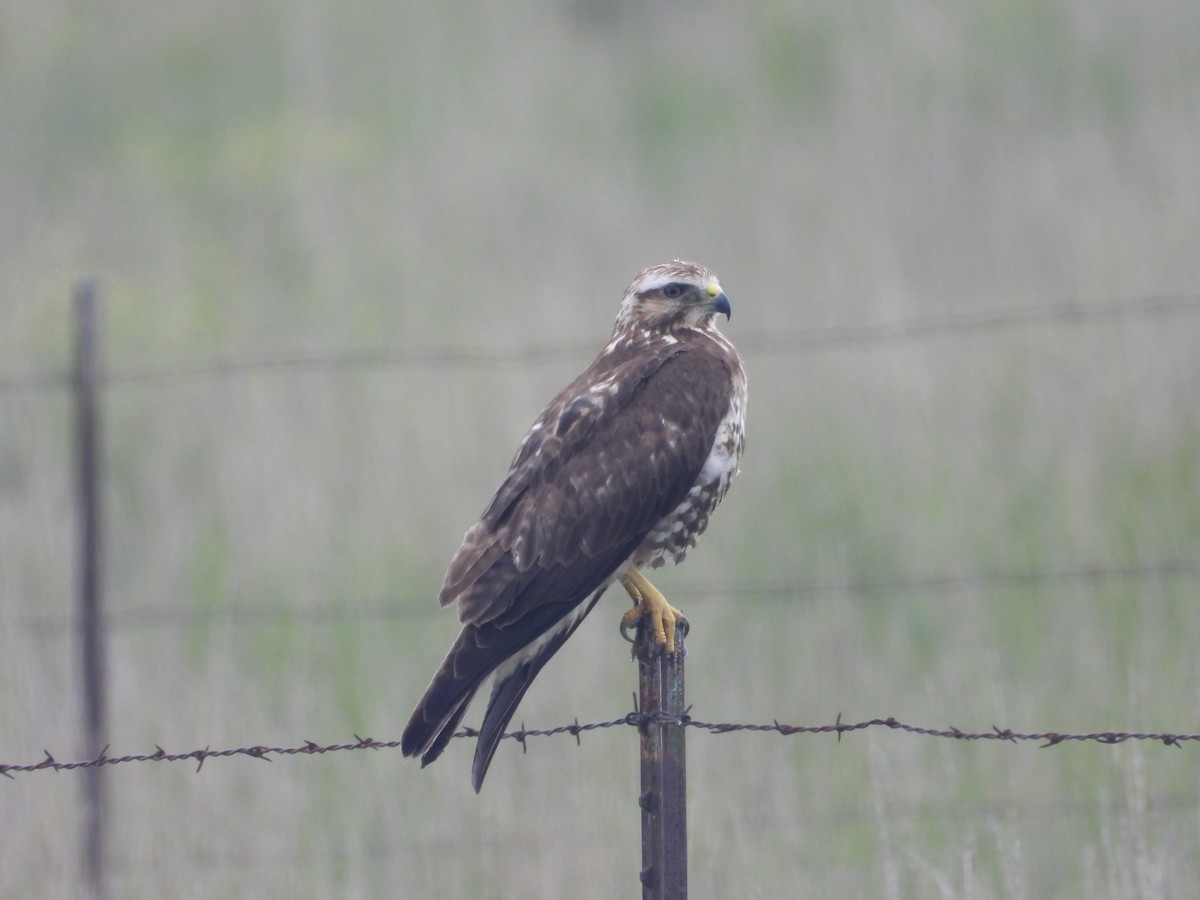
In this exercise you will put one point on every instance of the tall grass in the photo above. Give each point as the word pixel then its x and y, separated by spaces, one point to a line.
pixel 261 178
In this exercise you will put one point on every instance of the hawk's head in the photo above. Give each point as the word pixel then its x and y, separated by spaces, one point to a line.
pixel 671 295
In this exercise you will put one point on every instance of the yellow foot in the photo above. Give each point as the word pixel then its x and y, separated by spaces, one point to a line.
pixel 651 604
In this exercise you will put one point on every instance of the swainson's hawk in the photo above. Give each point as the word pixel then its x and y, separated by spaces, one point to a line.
pixel 621 471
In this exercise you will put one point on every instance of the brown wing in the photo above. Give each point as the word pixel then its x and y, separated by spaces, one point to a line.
pixel 598 470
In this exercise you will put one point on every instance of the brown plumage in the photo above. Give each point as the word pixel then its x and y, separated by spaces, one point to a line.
pixel 620 471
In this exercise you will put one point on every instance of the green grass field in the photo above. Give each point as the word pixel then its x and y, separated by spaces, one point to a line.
pixel 981 527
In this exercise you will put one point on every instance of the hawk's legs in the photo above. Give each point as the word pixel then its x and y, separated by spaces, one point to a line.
pixel 651 604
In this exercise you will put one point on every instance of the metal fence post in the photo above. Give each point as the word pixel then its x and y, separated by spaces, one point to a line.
pixel 86 381
pixel 663 797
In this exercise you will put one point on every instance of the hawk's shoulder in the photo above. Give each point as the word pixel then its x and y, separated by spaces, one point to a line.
pixel 583 410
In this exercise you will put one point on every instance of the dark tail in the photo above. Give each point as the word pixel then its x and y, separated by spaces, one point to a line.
pixel 478 651
pixel 430 738
pixel 507 693
pixel 502 705
pixel 445 701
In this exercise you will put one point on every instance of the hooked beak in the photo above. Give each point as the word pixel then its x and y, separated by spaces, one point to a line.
pixel 720 303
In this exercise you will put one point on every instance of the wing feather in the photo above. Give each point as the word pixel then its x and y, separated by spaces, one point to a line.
pixel 611 455
pixel 574 503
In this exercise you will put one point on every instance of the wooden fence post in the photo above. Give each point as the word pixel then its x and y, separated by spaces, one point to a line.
pixel 86 383
pixel 663 798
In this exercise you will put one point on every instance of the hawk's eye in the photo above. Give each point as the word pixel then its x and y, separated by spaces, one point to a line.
pixel 673 291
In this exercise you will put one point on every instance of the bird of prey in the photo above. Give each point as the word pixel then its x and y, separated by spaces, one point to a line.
pixel 619 473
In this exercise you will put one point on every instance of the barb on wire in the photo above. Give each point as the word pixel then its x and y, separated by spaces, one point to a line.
pixel 1045 738
pixel 634 719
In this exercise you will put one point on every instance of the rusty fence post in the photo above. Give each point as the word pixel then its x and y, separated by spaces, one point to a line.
pixel 663 798
pixel 86 383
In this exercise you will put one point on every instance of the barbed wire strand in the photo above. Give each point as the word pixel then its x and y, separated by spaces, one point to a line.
pixel 765 342
pixel 634 719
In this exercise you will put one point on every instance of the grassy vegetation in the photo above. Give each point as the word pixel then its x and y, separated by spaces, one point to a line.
pixel 319 178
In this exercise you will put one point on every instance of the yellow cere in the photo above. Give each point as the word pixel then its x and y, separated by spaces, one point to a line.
pixel 714 288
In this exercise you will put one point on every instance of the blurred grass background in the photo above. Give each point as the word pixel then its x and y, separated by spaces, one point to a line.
pixel 255 179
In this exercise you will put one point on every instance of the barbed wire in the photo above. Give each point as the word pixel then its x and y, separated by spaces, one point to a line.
pixel 633 719
pixel 938 583
pixel 764 342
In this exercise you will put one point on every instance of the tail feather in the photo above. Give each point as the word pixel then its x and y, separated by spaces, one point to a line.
pixel 445 701
pixel 435 747
pixel 477 652
pixel 430 727
pixel 502 706
pixel 508 690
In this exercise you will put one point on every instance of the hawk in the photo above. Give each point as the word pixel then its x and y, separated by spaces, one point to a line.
pixel 619 473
